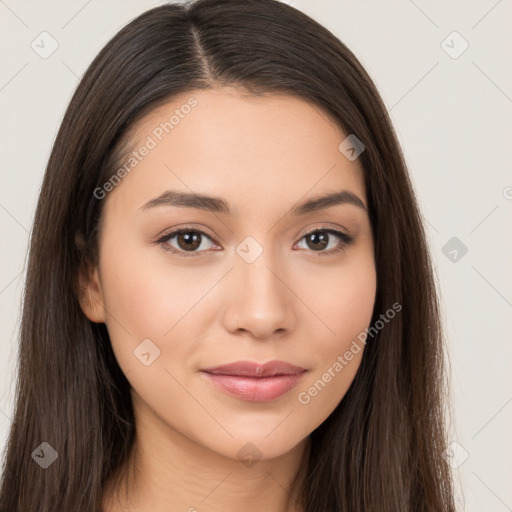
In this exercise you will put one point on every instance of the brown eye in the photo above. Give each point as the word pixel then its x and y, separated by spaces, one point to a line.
pixel 318 240
pixel 331 239
pixel 186 241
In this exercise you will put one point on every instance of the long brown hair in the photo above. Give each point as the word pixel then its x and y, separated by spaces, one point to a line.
pixel 381 448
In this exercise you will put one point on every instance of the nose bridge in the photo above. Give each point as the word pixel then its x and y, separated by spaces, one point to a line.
pixel 260 301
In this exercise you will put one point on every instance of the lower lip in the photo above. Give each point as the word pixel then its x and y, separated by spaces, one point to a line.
pixel 255 389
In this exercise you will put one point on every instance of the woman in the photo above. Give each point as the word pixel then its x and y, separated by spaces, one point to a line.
pixel 229 300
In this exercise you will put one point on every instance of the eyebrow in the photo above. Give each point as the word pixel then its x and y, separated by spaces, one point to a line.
pixel 218 205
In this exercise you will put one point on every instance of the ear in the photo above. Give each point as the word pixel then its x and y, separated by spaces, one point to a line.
pixel 91 298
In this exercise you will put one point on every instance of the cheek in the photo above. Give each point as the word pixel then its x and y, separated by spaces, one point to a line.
pixel 351 311
pixel 343 302
pixel 148 296
pixel 151 297
pixel 342 298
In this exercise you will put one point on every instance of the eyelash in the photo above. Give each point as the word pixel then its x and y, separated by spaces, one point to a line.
pixel 346 240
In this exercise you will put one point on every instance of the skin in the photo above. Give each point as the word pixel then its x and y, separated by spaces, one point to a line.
pixel 263 156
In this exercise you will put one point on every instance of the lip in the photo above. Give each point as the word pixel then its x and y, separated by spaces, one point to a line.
pixel 255 382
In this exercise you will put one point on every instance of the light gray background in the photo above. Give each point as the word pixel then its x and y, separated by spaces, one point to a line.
pixel 453 118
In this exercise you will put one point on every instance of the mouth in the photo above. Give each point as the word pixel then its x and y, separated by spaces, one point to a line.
pixel 255 382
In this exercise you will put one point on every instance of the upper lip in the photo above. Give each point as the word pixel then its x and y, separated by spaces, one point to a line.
pixel 252 369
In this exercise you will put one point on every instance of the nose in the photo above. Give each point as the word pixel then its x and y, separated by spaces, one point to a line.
pixel 260 301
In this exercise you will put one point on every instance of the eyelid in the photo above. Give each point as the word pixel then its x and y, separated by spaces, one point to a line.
pixel 326 226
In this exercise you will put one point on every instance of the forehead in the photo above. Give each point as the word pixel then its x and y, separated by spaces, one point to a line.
pixel 262 151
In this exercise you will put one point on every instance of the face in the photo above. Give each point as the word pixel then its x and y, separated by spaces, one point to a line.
pixel 252 276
